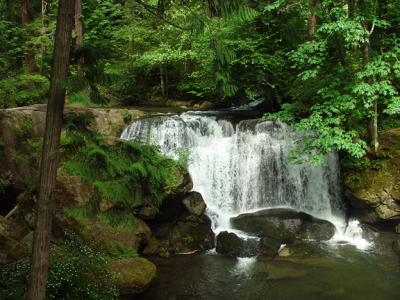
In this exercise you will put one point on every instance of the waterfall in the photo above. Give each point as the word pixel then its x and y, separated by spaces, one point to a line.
pixel 244 166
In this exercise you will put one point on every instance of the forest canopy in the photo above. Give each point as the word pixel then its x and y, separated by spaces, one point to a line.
pixel 329 67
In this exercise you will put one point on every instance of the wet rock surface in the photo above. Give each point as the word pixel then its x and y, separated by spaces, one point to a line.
pixel 284 225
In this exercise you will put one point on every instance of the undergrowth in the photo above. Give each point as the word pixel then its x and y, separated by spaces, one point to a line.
pixel 122 172
pixel 76 271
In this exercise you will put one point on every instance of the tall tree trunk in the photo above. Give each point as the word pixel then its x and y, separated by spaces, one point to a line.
pixel 351 4
pixel 79 32
pixel 50 151
pixel 213 8
pixel 162 81
pixel 29 60
pixel 312 19
pixel 373 121
pixel 43 32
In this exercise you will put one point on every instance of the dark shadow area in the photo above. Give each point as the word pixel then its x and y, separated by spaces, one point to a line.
pixel 8 199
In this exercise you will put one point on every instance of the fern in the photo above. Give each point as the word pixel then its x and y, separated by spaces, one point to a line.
pixel 122 173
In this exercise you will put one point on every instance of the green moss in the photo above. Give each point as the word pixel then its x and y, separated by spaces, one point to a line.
pixel 368 176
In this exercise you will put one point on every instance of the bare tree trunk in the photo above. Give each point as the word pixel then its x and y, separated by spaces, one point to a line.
pixel 43 32
pixel 25 18
pixel 50 151
pixel 79 32
pixel 312 19
pixel 162 81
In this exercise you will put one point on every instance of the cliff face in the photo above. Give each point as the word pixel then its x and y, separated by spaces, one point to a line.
pixel 374 194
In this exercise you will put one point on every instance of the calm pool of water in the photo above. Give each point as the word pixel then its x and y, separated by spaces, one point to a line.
pixel 340 272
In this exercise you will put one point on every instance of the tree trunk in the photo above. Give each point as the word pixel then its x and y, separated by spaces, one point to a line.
pixel 79 32
pixel 43 32
pixel 352 4
pixel 25 18
pixel 373 121
pixel 50 151
pixel 162 81
pixel 312 19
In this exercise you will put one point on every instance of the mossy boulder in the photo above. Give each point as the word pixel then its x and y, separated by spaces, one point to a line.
pixel 374 194
pixel 125 238
pixel 133 275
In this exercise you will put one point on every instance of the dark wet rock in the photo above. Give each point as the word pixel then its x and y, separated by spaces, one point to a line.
pixel 194 203
pixel 188 236
pixel 133 275
pixel 229 244
pixel 284 225
pixel 269 246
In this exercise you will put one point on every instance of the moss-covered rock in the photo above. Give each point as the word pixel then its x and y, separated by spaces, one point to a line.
pixel 133 275
pixel 124 238
pixel 374 194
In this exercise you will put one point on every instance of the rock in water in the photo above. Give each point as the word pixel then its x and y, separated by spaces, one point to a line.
pixel 229 244
pixel 284 225
pixel 134 275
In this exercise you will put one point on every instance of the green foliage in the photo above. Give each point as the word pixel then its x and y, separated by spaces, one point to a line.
pixel 23 89
pixel 361 164
pixel 122 172
pixel 75 272
pixel 337 82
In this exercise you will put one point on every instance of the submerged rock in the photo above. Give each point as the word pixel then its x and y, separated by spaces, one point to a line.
pixel 133 275
pixel 284 225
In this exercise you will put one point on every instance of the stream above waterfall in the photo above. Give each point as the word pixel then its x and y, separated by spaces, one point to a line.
pixel 241 166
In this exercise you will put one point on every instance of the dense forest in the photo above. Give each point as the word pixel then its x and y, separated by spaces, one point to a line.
pixel 331 66
pixel 329 69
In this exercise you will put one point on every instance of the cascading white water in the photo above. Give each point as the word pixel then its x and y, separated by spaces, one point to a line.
pixel 245 167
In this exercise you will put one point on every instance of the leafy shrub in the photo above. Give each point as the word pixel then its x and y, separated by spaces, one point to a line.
pixel 23 89
pixel 75 272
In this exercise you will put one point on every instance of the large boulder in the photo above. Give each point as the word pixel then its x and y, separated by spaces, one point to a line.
pixel 133 275
pixel 126 237
pixel 284 225
pixel 374 193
